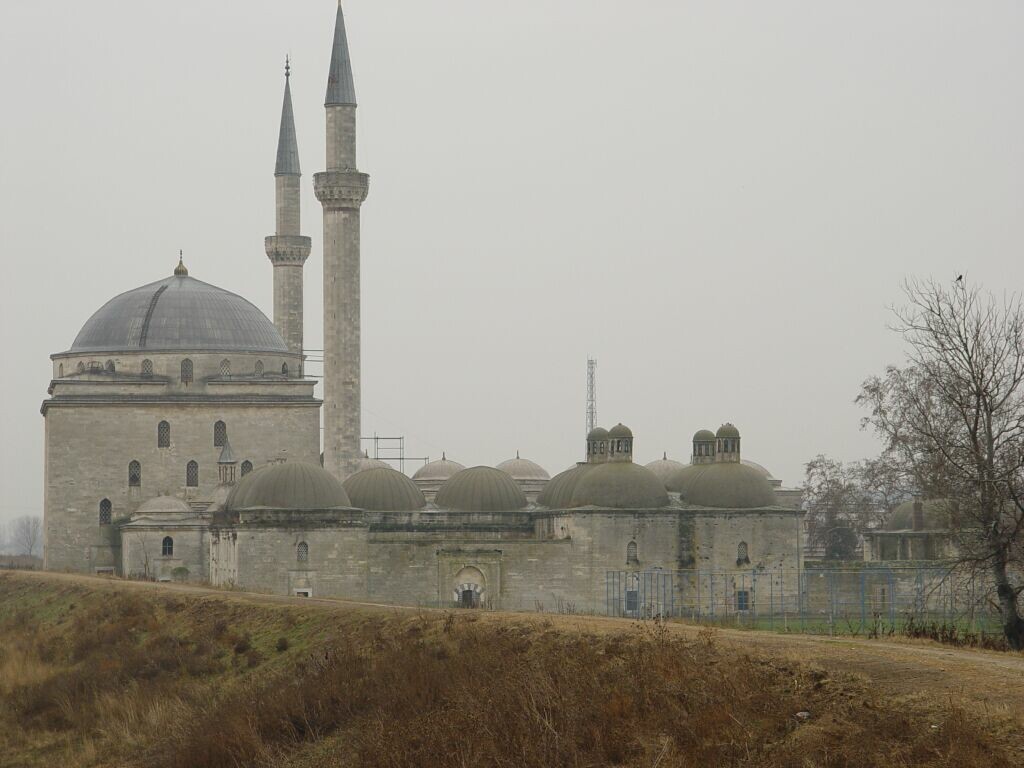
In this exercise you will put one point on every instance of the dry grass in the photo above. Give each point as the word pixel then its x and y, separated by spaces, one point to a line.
pixel 137 679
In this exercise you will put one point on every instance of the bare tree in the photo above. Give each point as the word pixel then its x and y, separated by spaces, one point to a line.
pixel 839 508
pixel 953 424
pixel 27 534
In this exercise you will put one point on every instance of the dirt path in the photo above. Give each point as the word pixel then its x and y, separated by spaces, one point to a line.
pixel 980 678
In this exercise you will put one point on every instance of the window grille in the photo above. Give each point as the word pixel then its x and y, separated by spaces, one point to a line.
pixel 742 599
pixel 81 368
pixel 134 474
pixel 220 434
pixel 186 371
pixel 259 368
pixel 246 467
pixel 631 556
pixel 60 371
pixel 167 547
pixel 225 367
pixel 110 366
pixel 106 512
pixel 302 552
pixel 284 369
pixel 742 554
pixel 192 474
pixel 147 367
pixel 163 435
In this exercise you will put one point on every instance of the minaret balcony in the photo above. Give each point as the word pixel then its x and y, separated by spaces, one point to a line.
pixel 341 189
pixel 287 249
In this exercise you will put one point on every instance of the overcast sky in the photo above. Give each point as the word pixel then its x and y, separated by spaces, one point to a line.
pixel 717 200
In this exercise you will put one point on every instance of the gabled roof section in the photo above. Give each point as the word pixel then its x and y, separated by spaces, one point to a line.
pixel 287 144
pixel 341 88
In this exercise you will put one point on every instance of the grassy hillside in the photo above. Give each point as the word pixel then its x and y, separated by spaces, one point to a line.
pixel 115 676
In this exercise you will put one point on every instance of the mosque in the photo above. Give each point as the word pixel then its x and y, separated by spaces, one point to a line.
pixel 183 441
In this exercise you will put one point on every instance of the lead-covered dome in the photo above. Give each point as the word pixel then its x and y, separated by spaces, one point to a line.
pixel 936 514
pixel 441 469
pixel 619 485
pixel 727 485
pixel 383 489
pixel 480 489
pixel 523 469
pixel 162 505
pixel 179 313
pixel 293 485
pixel 557 494
pixel 664 467
pixel 679 481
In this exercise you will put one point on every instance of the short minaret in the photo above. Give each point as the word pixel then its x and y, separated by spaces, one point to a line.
pixel 341 189
pixel 287 249
pixel 226 464
pixel 728 443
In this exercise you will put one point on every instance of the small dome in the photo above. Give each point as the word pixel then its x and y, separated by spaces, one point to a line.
pixel 620 430
pixel 179 313
pixel 367 463
pixel 664 467
pixel 704 436
pixel 163 505
pixel 938 515
pixel 557 494
pixel 480 489
pixel 679 481
pixel 727 430
pixel 290 485
pixel 441 469
pixel 728 485
pixel 383 489
pixel 622 485
pixel 523 469
pixel 598 433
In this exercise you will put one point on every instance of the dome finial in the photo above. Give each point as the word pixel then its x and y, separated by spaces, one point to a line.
pixel 180 270
pixel 517 453
pixel 287 66
pixel 443 457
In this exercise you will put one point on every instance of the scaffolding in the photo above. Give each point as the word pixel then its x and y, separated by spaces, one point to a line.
pixel 390 449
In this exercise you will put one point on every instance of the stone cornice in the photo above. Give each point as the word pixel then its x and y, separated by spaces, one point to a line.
pixel 121 401
pixel 341 189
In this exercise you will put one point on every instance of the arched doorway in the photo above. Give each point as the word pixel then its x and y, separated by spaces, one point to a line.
pixel 470 588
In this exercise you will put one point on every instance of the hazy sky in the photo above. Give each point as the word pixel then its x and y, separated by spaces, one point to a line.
pixel 717 200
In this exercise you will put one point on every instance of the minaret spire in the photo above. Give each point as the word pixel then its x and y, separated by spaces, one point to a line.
pixel 341 88
pixel 287 144
pixel 341 189
pixel 287 249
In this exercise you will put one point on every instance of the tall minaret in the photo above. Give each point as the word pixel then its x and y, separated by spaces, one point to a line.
pixel 288 250
pixel 341 189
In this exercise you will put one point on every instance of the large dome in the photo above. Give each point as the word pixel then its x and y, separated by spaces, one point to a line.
pixel 178 313
pixel 727 485
pixel 290 485
pixel 664 467
pixel 557 494
pixel 480 489
pixel 620 485
pixel 383 489
pixel 679 480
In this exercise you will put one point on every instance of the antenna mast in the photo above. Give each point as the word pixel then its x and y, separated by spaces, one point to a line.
pixel 591 394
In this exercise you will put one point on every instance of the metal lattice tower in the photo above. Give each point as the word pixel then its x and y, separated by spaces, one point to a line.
pixel 591 394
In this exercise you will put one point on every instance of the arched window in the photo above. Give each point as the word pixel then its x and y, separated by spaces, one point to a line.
pixel 147 367
pixel 192 474
pixel 742 556
pixel 134 474
pixel 631 556
pixel 109 366
pixel 302 552
pixel 163 435
pixel 81 367
pixel 106 512
pixel 225 367
pixel 220 434
pixel 246 467
pixel 259 368
pixel 186 371
pixel 167 547
pixel 284 369
pixel 60 371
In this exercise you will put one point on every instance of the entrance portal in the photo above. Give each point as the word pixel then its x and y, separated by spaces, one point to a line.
pixel 469 599
pixel 469 591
